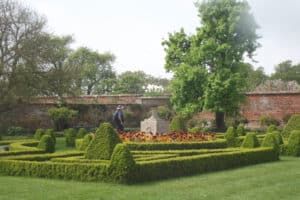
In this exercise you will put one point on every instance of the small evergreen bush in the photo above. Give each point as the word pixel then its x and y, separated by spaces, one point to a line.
pixel 46 143
pixel 16 131
pixel 270 141
pixel 271 128
pixel 250 141
pixel 293 124
pixel 177 124
pixel 38 133
pixel 293 146
pixel 278 137
pixel 51 133
pixel 240 130
pixel 122 164
pixel 81 133
pixel 268 120
pixel 101 147
pixel 231 137
pixel 164 112
pixel 70 135
pixel 86 141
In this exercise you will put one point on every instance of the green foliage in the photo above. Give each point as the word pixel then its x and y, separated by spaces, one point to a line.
pixel 177 124
pixel 131 83
pixel 23 146
pixel 122 164
pixel 293 124
pixel 250 141
pixel 286 118
pixel 16 131
pixel 293 146
pixel 86 141
pixel 240 130
pixel 101 147
pixel 194 130
pixel 286 71
pixel 271 128
pixel 270 141
pixel 61 116
pixel 81 133
pixel 232 137
pixel 47 144
pixel 51 133
pixel 164 112
pixel 70 135
pixel 278 137
pixel 38 133
pixel 267 120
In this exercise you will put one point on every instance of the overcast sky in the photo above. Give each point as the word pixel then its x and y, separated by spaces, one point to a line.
pixel 134 29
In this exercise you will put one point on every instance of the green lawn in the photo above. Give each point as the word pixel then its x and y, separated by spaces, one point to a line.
pixel 270 181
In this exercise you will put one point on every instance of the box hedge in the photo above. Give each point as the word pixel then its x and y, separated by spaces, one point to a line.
pixel 81 133
pixel 270 141
pixel 101 147
pixel 38 133
pixel 177 124
pixel 240 130
pixel 70 135
pixel 278 137
pixel 86 141
pixel 47 144
pixel 232 137
pixel 293 124
pixel 250 141
pixel 51 133
pixel 293 146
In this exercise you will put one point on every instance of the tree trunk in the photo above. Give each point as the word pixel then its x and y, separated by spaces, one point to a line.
pixel 220 123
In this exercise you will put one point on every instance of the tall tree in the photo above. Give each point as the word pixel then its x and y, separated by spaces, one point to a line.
pixel 95 70
pixel 131 83
pixel 286 71
pixel 227 34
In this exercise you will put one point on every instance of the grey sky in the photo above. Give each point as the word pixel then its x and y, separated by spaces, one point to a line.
pixel 133 29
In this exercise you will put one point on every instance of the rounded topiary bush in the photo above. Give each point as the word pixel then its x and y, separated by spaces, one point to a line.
pixel 270 141
pixel 240 130
pixel 271 128
pixel 38 133
pixel 81 133
pixel 293 146
pixel 122 164
pixel 70 135
pixel 86 141
pixel 177 124
pixel 293 124
pixel 46 143
pixel 101 147
pixel 278 137
pixel 51 133
pixel 231 137
pixel 250 141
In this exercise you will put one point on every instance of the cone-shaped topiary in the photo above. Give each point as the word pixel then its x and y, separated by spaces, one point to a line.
pixel 51 133
pixel 86 141
pixel 46 143
pixel 271 128
pixel 293 146
pixel 122 164
pixel 278 137
pixel 38 133
pixel 101 147
pixel 177 124
pixel 231 137
pixel 250 141
pixel 70 135
pixel 270 141
pixel 293 124
pixel 81 133
pixel 240 130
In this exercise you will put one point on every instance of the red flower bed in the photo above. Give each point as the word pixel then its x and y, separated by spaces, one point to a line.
pixel 168 137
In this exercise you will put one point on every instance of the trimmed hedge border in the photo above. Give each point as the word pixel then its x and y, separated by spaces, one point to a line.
pixel 22 147
pixel 221 143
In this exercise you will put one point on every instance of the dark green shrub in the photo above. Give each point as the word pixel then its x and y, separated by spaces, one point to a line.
pixel 271 128
pixel 293 146
pixel 278 137
pixel 61 116
pixel 51 133
pixel 86 141
pixel 231 137
pixel 70 135
pixel 122 164
pixel 268 120
pixel 177 124
pixel 81 133
pixel 293 124
pixel 250 141
pixel 164 112
pixel 16 131
pixel 270 141
pixel 38 133
pixel 47 144
pixel 101 147
pixel 240 130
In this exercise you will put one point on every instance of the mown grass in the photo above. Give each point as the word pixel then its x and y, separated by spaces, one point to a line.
pixel 270 181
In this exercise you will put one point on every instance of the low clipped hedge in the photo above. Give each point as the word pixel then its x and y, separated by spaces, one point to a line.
pixel 38 133
pixel 47 144
pixel 250 141
pixel 293 146
pixel 220 143
pixel 86 141
pixel 44 156
pixel 270 141
pixel 25 145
